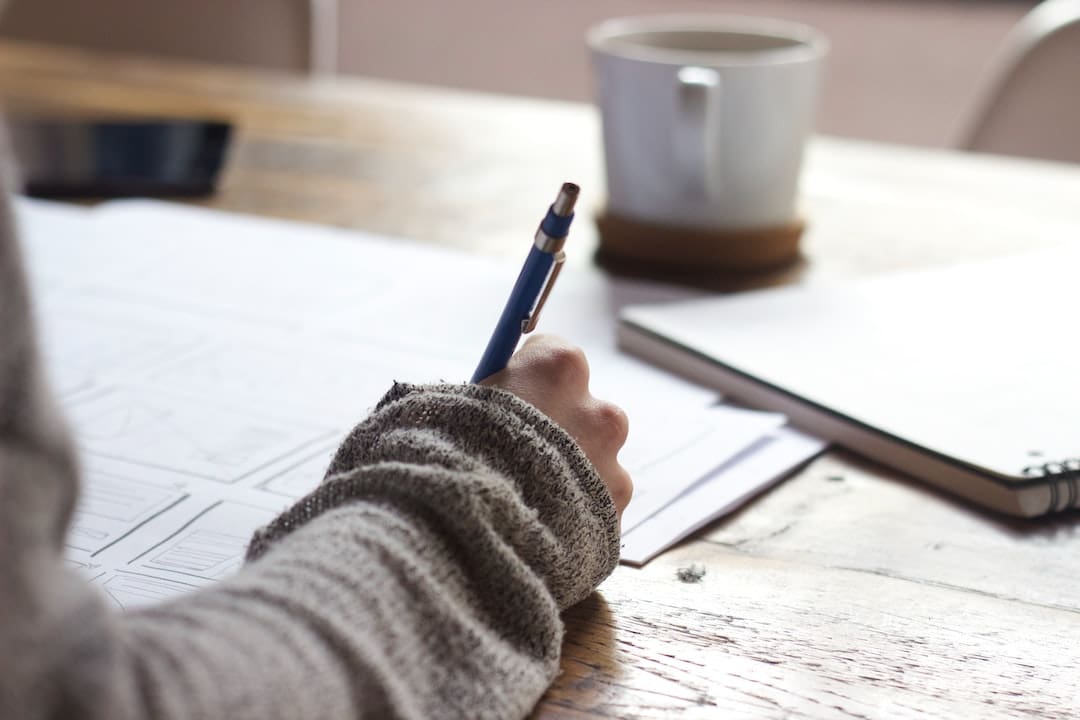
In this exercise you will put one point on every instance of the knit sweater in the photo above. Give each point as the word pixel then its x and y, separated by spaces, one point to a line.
pixel 422 579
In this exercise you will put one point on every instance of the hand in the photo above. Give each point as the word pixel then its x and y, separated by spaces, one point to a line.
pixel 553 376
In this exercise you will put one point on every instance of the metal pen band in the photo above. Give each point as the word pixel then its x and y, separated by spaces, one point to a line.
pixel 545 243
pixel 551 235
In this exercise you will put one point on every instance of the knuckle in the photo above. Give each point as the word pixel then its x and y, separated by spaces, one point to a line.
pixel 612 422
pixel 566 364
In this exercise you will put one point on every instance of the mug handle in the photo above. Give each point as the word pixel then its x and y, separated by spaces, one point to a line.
pixel 697 134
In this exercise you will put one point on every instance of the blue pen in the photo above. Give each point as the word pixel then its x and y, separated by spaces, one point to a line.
pixel 533 285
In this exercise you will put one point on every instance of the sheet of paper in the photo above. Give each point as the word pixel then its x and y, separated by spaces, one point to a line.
pixel 305 284
pixel 725 489
pixel 211 363
pixel 663 467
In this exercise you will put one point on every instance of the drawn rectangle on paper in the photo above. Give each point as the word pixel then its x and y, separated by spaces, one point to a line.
pixel 111 506
pixel 212 545
pixel 200 551
pixel 185 434
pixel 301 478
pixel 129 590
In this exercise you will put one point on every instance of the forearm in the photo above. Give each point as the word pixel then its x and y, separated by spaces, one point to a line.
pixel 360 613
pixel 422 579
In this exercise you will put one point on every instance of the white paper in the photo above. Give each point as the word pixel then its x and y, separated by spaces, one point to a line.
pixel 667 466
pixel 210 364
pixel 724 490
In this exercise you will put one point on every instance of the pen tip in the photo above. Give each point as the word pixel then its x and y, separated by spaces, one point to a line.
pixel 564 203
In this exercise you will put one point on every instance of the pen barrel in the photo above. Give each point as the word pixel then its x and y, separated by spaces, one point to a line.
pixel 504 339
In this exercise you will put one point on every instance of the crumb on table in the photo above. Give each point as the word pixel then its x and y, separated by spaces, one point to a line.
pixel 692 574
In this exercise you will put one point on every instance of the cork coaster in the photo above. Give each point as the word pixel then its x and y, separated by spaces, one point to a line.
pixel 633 244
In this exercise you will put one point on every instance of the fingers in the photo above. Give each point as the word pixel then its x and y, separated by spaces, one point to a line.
pixel 553 375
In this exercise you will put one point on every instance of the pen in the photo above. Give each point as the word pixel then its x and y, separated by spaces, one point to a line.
pixel 533 284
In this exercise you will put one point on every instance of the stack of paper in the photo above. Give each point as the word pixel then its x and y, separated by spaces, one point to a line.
pixel 210 363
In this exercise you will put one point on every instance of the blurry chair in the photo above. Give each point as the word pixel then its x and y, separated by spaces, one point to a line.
pixel 299 35
pixel 1030 102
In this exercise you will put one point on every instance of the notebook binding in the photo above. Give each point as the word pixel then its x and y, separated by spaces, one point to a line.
pixel 1064 476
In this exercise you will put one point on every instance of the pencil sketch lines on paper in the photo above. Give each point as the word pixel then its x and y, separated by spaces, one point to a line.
pixel 84 348
pixel 202 552
pixel 210 545
pixel 333 387
pixel 88 570
pixel 112 507
pixel 300 478
pixel 130 589
pixel 186 435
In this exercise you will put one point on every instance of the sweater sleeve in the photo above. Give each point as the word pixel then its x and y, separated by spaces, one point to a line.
pixel 422 579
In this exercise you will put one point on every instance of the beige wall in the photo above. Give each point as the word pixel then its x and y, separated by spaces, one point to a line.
pixel 901 70
pixel 268 33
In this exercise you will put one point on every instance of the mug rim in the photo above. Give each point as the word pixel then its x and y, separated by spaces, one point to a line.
pixel 608 38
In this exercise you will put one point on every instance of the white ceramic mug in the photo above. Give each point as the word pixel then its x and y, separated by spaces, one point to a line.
pixel 705 117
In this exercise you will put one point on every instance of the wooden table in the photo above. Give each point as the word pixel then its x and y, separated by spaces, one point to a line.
pixel 848 591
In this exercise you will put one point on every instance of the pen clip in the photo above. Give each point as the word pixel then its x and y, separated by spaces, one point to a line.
pixel 529 323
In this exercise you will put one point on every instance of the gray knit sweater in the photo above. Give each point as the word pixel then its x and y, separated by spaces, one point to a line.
pixel 423 579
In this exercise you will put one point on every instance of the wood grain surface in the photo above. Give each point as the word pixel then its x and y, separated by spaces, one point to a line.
pixel 846 592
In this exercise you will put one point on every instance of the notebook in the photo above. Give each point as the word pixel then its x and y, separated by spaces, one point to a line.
pixel 967 376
